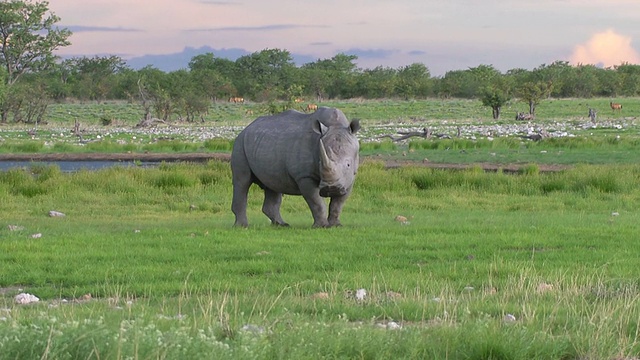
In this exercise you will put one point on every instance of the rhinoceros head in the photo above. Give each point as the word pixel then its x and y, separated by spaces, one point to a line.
pixel 338 147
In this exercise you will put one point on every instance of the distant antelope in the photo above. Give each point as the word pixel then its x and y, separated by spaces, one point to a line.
pixel 615 106
pixel 593 115
pixel 311 107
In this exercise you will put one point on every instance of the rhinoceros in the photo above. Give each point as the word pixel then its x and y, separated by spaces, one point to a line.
pixel 314 155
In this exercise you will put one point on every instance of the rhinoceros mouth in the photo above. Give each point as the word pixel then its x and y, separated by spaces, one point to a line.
pixel 331 191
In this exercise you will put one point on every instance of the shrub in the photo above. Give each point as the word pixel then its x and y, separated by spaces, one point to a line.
pixel 218 144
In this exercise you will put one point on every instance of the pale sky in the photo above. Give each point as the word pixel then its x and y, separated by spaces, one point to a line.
pixel 444 35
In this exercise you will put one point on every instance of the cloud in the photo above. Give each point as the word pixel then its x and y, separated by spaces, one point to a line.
pixel 606 48
pixel 371 53
pixel 274 27
pixel 81 28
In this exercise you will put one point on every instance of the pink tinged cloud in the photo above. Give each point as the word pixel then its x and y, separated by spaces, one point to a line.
pixel 607 48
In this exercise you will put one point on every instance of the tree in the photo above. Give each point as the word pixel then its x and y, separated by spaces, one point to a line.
pixel 413 80
pixel 264 75
pixel 28 37
pixel 494 97
pixel 533 93
pixel 93 77
pixel 331 77
pixel 213 76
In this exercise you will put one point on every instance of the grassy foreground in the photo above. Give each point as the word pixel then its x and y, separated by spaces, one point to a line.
pixel 486 266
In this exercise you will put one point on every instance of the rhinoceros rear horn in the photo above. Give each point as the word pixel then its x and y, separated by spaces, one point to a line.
pixel 354 126
pixel 319 128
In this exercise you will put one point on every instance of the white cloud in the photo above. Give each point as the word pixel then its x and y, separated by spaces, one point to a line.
pixel 607 48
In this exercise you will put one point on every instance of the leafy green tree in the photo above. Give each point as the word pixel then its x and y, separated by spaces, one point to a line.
pixel 331 78
pixel 93 77
pixel 28 37
pixel 533 93
pixel 557 74
pixel 609 81
pixel 629 77
pixel 150 85
pixel 494 97
pixel 3 86
pixel 213 76
pixel 413 81
pixel 264 75
pixel 377 83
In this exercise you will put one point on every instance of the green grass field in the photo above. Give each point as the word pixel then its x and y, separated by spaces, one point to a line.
pixel 487 266
pixel 372 111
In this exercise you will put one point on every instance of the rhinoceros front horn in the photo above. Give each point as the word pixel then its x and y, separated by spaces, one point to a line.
pixel 325 161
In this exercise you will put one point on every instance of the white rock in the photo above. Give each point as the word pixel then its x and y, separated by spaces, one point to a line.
pixel 36 236
pixel 361 294
pixel 392 325
pixel 253 329
pixel 509 318
pixel 54 213
pixel 25 298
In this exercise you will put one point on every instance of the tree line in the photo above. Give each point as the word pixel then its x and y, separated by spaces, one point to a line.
pixel 32 77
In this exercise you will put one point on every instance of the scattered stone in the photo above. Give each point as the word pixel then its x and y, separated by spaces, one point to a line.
pixel 491 291
pixel 393 295
pixel 361 294
pixel 36 236
pixel 392 325
pixel 25 298
pixel 320 296
pixel 54 213
pixel 615 213
pixel 544 287
pixel 192 207
pixel 253 329
pixel 509 318
pixel 15 227
pixel 469 288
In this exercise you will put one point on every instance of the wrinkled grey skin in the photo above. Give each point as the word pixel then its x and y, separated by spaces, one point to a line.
pixel 313 155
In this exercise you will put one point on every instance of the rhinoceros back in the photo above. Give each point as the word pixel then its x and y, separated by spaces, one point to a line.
pixel 278 150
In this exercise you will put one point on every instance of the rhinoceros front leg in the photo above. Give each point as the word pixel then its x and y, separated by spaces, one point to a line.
pixel 311 194
pixel 271 207
pixel 335 208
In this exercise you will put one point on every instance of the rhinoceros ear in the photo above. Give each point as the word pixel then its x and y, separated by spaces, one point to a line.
pixel 319 128
pixel 354 126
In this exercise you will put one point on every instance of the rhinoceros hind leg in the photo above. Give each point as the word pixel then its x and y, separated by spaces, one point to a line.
pixel 271 207
pixel 241 185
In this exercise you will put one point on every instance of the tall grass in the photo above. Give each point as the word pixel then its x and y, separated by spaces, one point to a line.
pixel 487 265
